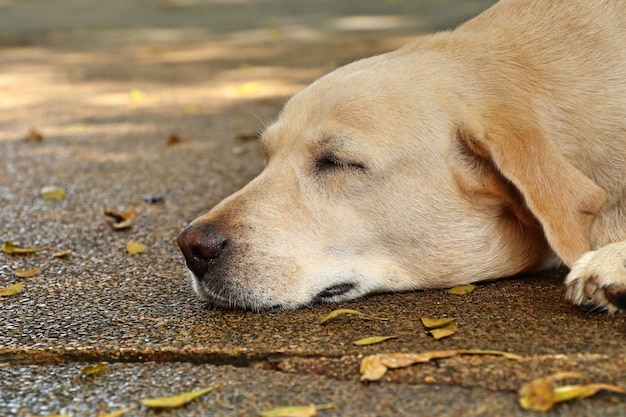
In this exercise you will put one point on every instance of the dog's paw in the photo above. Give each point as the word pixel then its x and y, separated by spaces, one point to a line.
pixel 598 279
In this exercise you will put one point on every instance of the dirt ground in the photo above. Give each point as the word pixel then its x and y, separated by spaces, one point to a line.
pixel 119 100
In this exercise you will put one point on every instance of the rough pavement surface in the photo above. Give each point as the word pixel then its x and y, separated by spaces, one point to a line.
pixel 90 92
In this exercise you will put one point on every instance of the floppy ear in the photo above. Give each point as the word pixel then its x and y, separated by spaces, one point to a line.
pixel 515 161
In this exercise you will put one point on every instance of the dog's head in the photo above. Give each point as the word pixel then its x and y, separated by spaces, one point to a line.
pixel 378 178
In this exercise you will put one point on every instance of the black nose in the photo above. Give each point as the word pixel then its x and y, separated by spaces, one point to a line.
pixel 201 245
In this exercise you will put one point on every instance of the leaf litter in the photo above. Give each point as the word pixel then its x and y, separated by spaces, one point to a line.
pixel 462 289
pixel 133 247
pixel 374 367
pixel 297 411
pixel 121 220
pixel 540 395
pixel 13 248
pixel 176 400
pixel 11 290
pixel 343 311
pixel 372 340
pixel 440 328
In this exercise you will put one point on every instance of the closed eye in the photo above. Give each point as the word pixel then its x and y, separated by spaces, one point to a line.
pixel 329 162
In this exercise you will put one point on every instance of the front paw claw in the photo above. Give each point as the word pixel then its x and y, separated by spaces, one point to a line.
pixel 598 279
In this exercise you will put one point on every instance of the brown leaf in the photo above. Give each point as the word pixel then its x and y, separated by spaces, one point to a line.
pixel 173 139
pixel 27 273
pixel 542 394
pixel 120 216
pixel 435 323
pixel 445 331
pixel 123 220
pixel 33 135
pixel 374 367
pixel 372 340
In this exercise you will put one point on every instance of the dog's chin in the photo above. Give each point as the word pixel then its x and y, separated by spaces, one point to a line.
pixel 227 301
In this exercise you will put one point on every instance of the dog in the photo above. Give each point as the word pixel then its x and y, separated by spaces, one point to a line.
pixel 486 151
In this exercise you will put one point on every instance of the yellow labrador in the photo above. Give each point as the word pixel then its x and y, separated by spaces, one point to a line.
pixel 467 155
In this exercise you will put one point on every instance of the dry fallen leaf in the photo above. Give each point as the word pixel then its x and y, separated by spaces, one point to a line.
pixel 27 273
pixel 13 248
pixel 336 313
pixel 134 247
pixel 436 323
pixel 248 89
pixel 372 340
pixel 462 289
pixel 122 220
pixel 176 400
pixel 117 413
pixel 94 368
pixel 52 192
pixel 137 96
pixel 296 411
pixel 11 290
pixel 445 331
pixel 173 139
pixel 374 367
pixel 62 254
pixel 542 394
pixel 33 135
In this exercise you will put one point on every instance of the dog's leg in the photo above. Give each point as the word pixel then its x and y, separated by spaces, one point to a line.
pixel 598 278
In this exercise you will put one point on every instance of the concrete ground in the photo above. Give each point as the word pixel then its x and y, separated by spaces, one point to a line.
pixel 90 92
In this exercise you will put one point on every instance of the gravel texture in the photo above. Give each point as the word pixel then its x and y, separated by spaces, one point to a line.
pixel 92 95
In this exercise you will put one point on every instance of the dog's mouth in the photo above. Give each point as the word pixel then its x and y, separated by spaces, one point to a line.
pixel 335 291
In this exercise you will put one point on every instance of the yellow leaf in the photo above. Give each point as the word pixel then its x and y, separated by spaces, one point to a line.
pixel 296 411
pixel 542 394
pixel 336 313
pixel 445 331
pixel 62 254
pixel 53 193
pixel 117 413
pixel 12 248
pixel 462 289
pixel 94 368
pixel 137 96
pixel 435 323
pixel 372 340
pixel 134 247
pixel 580 392
pixel 11 290
pixel 507 355
pixel 372 368
pixel 248 89
pixel 176 400
pixel 27 273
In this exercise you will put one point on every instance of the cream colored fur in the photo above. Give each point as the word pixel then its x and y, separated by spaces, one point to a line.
pixel 467 155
